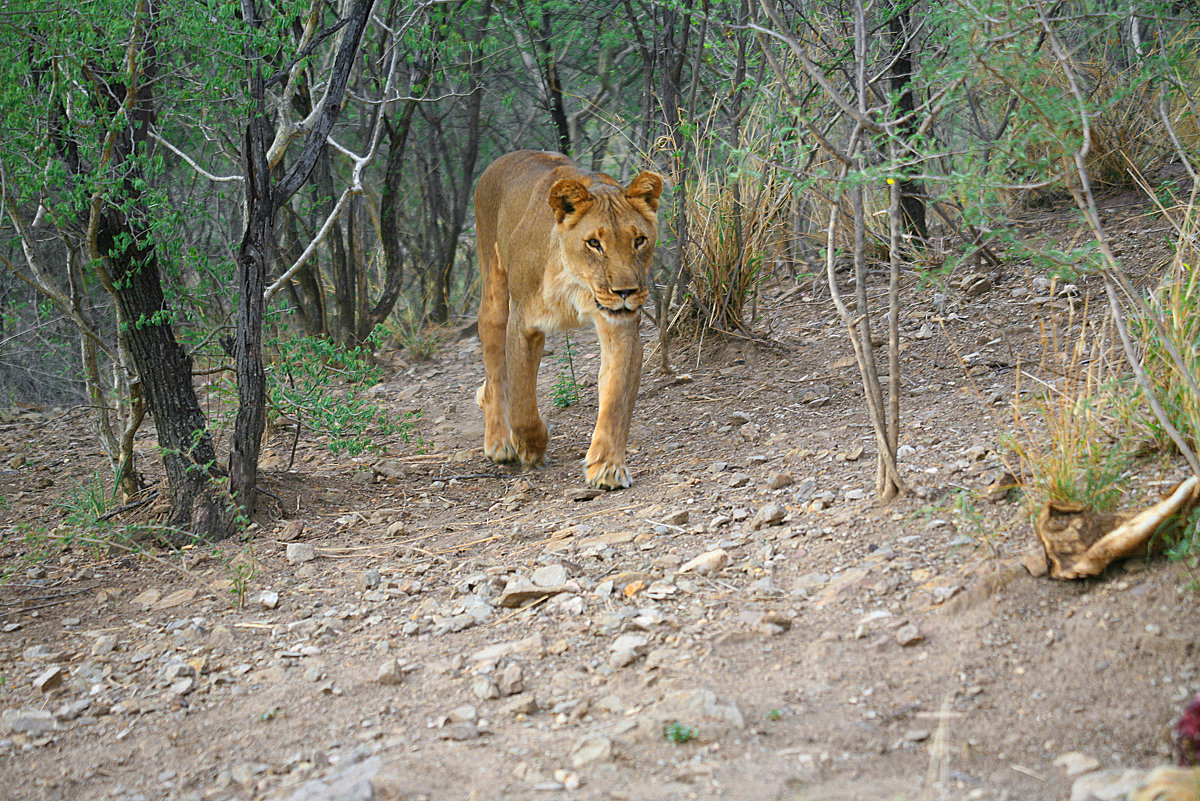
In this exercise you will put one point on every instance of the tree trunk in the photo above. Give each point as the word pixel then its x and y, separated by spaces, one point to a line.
pixel 257 249
pixel 912 193
pixel 165 369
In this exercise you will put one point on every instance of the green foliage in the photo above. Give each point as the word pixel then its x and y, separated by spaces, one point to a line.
pixel 566 389
pixel 1176 305
pixel 1069 435
pixel 774 714
pixel 241 572
pixel 86 502
pixel 300 386
pixel 678 733
pixel 411 333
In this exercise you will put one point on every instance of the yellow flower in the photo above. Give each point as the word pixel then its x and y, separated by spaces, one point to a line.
pixel 891 181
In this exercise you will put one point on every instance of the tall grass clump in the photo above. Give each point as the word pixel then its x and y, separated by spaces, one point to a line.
pixel 1068 434
pixel 1176 305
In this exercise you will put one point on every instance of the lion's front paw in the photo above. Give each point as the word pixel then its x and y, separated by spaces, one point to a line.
pixel 502 450
pixel 608 475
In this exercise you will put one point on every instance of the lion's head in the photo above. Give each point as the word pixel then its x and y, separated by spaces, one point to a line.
pixel 606 237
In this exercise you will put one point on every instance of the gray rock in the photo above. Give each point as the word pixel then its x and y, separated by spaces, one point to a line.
pixel 550 576
pixel 676 518
pixel 1076 763
pixel 389 673
pixel 518 593
pixel 300 552
pixel 459 731
pixel 771 514
pixel 523 704
pixel 908 635
pixel 699 708
pixel 484 688
pixel 29 721
pixel 705 563
pixel 510 680
pixel 1107 785
pixel 105 644
pixel 49 679
pixel 779 480
pixel 467 713
pixel 351 783
pixel 369 580
pixel 591 750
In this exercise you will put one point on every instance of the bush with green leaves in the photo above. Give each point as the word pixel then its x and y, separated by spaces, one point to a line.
pixel 322 386
pixel 566 389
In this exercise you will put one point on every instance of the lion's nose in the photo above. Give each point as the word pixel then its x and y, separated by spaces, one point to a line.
pixel 624 293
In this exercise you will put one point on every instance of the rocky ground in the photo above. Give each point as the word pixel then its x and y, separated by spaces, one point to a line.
pixel 745 622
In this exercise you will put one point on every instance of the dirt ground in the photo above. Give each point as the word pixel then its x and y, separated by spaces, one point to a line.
pixel 846 651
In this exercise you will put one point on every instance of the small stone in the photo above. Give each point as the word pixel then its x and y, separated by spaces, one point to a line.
pixel 908 635
pixel 977 284
pixel 770 515
pixel 29 721
pixel 777 480
pixel 300 552
pixel 389 673
pixel 636 643
pixel 1034 560
pixel 369 580
pixel 1107 785
pixel 463 714
pixel 49 679
pixel 484 688
pixel 457 731
pixel 549 576
pixel 591 750
pixel 510 680
pixel 739 418
pixel 579 494
pixel 523 704
pixel 738 480
pixel 705 563
pixel 105 644
pixel 627 649
pixel 856 494
pixel 517 593
pixel 289 531
pixel 268 599
pixel 147 598
pixel 676 518
pixel 1076 763
pixel 177 598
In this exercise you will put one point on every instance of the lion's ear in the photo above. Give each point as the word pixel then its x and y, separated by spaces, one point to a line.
pixel 646 187
pixel 568 197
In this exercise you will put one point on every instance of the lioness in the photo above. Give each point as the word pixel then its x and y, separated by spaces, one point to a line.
pixel 558 246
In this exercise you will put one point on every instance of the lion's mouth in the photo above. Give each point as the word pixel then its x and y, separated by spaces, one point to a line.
pixel 621 312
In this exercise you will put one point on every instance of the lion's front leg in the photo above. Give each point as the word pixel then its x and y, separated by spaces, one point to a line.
pixel 529 432
pixel 620 374
pixel 492 397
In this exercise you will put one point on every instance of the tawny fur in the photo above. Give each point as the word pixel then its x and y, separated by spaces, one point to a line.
pixel 559 247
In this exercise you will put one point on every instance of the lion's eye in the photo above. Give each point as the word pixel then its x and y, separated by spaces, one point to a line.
pixel 641 240
pixel 593 243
